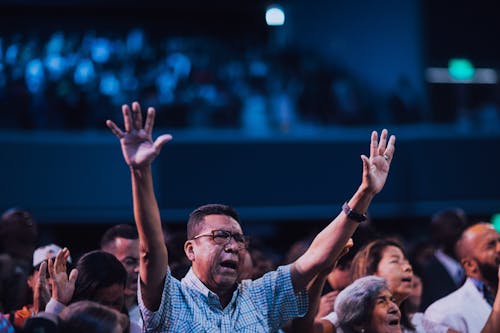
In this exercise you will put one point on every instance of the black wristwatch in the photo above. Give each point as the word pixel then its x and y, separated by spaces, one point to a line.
pixel 355 216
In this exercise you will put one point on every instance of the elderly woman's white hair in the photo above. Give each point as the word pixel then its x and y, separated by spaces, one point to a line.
pixel 355 303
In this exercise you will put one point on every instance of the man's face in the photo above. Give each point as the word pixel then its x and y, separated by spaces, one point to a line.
pixel 127 252
pixel 486 252
pixel 218 266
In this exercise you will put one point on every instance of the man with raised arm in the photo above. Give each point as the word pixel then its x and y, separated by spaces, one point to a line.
pixel 209 298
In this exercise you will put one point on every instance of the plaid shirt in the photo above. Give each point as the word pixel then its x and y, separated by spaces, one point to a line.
pixel 262 305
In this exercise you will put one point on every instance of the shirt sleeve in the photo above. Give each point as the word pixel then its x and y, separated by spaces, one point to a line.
pixel 333 318
pixel 54 306
pixel 155 320
pixel 274 291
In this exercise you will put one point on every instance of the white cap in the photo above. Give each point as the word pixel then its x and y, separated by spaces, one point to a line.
pixel 46 252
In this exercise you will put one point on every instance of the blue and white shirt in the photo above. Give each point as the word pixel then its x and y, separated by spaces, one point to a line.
pixel 262 305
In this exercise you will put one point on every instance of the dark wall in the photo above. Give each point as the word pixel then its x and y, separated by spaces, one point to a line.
pixel 82 177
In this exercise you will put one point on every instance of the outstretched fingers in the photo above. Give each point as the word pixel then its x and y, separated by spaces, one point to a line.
pixel 383 142
pixel 374 144
pixel 150 121
pixel 127 117
pixel 389 150
pixel 114 128
pixel 136 116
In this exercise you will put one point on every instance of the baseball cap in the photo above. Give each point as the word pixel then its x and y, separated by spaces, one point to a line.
pixel 46 252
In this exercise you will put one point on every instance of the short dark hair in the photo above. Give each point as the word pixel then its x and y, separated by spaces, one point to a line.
pixel 96 270
pixel 126 231
pixel 199 214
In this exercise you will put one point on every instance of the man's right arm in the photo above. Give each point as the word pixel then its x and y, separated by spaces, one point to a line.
pixel 139 151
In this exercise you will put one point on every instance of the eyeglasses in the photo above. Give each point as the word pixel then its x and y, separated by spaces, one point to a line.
pixel 223 237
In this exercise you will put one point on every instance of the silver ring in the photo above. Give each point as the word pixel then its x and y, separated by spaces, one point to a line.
pixel 386 157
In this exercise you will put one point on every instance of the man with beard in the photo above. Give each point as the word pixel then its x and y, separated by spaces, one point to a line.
pixel 468 308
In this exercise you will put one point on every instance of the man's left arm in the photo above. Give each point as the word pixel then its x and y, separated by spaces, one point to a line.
pixel 328 244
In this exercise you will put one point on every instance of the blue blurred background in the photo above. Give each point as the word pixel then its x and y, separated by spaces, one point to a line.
pixel 268 118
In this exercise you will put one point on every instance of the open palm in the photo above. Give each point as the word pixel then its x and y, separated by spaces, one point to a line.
pixel 138 147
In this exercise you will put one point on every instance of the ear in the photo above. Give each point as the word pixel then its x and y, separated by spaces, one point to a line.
pixel 189 250
pixel 469 265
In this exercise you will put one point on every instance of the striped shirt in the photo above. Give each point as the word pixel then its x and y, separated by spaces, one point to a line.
pixel 262 305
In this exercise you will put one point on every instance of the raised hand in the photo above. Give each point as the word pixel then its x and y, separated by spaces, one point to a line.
pixel 137 144
pixel 376 167
pixel 41 290
pixel 63 286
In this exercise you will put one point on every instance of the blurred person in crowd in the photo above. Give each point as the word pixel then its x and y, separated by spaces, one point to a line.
pixel 367 305
pixel 414 300
pixel 88 316
pixel 443 274
pixel 468 308
pixel 98 276
pixel 122 241
pixel 319 305
pixel 177 261
pixel 40 286
pixel 216 247
pixel 18 237
pixel 5 326
pixel 386 258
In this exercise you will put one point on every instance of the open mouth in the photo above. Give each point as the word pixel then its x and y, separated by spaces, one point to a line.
pixel 406 279
pixel 229 264
pixel 394 322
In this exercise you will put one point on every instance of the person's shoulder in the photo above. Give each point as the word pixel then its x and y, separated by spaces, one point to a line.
pixel 448 303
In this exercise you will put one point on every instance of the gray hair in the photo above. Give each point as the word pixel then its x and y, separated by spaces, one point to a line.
pixel 355 303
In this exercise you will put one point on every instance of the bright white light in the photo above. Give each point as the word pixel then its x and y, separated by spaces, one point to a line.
pixel 275 16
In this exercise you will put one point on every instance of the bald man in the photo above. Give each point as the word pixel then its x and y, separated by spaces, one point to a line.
pixel 467 309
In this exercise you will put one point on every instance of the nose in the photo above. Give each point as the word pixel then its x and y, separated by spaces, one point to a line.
pixel 231 245
pixel 393 308
pixel 407 266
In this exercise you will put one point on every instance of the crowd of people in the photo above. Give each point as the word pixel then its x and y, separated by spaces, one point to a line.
pixel 52 79
pixel 339 280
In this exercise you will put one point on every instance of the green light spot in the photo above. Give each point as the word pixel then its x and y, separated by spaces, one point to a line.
pixel 495 220
pixel 461 69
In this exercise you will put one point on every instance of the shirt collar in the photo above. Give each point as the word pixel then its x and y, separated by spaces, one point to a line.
pixel 190 280
pixel 484 290
pixel 193 282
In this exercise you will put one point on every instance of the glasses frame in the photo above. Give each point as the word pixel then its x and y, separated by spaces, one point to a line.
pixel 241 244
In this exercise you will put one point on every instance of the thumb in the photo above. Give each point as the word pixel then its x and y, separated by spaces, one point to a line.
pixel 161 140
pixel 72 276
pixel 366 164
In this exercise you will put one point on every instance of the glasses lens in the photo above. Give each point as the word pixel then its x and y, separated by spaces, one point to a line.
pixel 221 237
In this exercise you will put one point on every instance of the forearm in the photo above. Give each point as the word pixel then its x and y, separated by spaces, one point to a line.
pixel 328 244
pixel 147 216
pixel 493 323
